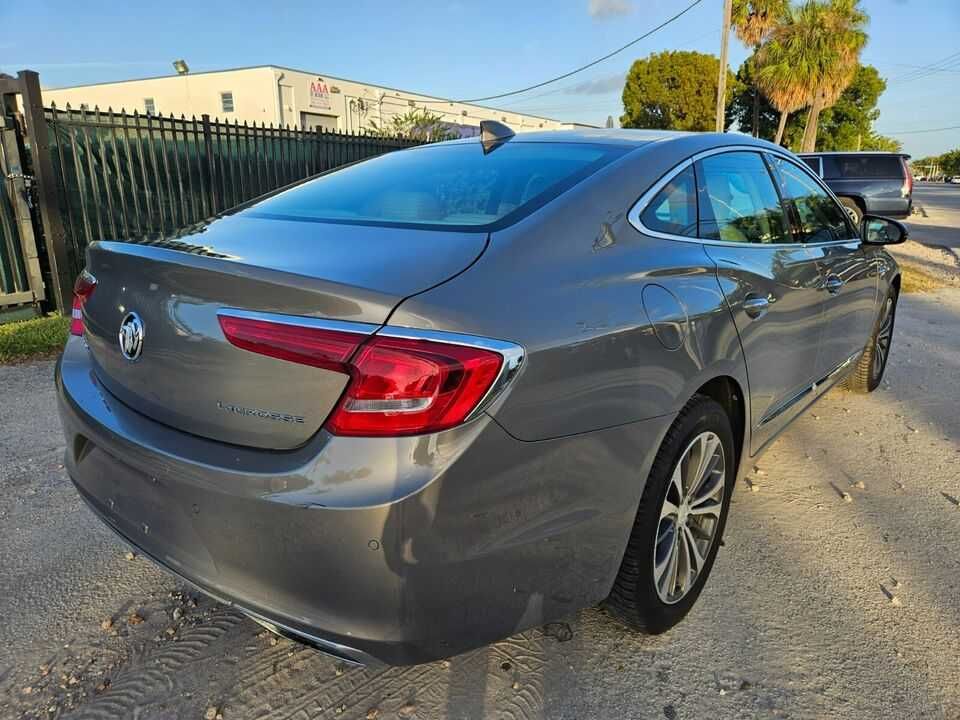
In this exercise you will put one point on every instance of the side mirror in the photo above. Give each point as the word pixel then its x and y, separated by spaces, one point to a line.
pixel 877 230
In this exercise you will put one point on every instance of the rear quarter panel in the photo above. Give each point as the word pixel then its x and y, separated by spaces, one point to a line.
pixel 618 326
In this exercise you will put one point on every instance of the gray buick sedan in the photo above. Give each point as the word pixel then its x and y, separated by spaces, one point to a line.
pixel 431 399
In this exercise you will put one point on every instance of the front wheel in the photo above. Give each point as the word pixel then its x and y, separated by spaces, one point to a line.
pixel 679 522
pixel 854 211
pixel 869 371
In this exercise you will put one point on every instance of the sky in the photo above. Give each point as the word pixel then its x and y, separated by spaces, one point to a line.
pixel 463 49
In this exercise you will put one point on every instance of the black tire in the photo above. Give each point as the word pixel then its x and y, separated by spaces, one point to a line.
pixel 634 598
pixel 868 373
pixel 854 210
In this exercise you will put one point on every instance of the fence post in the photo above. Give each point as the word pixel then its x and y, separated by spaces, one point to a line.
pixel 211 165
pixel 54 236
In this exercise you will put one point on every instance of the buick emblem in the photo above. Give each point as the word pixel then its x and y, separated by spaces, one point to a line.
pixel 131 336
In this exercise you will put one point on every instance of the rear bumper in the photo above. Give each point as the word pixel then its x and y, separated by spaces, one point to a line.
pixel 403 550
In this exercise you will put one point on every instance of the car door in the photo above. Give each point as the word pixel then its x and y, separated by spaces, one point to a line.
pixel 771 282
pixel 849 274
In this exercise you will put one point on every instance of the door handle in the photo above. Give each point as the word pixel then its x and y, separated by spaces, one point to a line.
pixel 756 306
pixel 833 284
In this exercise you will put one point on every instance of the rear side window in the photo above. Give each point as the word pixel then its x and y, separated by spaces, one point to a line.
pixel 448 186
pixel 813 163
pixel 820 218
pixel 867 166
pixel 674 209
pixel 738 201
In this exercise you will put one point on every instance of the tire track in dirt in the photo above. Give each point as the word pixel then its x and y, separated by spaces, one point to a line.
pixel 152 676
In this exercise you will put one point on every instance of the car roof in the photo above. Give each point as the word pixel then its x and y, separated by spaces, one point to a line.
pixel 625 136
pixel 853 152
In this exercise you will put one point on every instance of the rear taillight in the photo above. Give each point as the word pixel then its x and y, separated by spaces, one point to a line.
pixel 82 290
pixel 398 385
pixel 402 386
pixel 319 347
pixel 908 179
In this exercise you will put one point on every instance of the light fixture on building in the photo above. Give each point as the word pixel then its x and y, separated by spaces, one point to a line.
pixel 181 67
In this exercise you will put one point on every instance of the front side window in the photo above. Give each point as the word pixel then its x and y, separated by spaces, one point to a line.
pixel 448 186
pixel 738 201
pixel 674 209
pixel 820 218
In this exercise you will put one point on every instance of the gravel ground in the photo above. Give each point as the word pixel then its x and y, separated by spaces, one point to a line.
pixel 817 607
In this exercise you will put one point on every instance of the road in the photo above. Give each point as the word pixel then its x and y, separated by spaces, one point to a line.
pixel 939 220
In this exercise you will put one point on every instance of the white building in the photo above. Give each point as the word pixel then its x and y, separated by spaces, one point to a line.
pixel 278 95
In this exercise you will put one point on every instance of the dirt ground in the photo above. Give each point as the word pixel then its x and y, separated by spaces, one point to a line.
pixel 836 594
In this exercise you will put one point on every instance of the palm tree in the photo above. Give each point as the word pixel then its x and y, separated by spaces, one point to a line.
pixel 844 40
pixel 811 58
pixel 753 21
pixel 779 83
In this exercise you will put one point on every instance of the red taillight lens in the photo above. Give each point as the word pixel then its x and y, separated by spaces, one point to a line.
pixel 319 347
pixel 398 386
pixel 908 179
pixel 408 387
pixel 82 289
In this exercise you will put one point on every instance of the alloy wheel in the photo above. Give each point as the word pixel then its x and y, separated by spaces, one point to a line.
pixel 881 343
pixel 689 517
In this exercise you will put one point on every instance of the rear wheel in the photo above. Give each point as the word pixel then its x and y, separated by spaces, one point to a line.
pixel 854 211
pixel 867 375
pixel 679 522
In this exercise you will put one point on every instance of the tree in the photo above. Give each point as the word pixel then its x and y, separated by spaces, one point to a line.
pixel 881 142
pixel 812 57
pixel 673 90
pixel 741 110
pixel 417 124
pixel 753 21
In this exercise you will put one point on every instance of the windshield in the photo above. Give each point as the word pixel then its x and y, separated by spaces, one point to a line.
pixel 448 186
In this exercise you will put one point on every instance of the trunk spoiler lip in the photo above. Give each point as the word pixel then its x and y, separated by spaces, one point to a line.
pixel 513 354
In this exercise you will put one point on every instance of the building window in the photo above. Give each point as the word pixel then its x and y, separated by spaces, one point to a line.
pixel 149 107
pixel 226 101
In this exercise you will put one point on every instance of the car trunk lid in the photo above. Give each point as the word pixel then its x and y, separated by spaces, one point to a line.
pixel 190 377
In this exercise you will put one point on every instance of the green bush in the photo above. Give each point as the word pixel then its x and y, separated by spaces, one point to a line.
pixel 29 339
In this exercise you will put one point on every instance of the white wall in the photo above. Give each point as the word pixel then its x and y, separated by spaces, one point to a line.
pixel 257 93
pixel 254 95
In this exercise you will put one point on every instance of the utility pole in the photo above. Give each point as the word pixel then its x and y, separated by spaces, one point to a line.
pixel 722 80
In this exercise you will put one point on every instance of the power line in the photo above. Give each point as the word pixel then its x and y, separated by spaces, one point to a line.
pixel 633 42
pixel 927 70
pixel 925 130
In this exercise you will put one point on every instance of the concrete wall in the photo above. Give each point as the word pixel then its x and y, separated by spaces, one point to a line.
pixel 254 95
pixel 281 95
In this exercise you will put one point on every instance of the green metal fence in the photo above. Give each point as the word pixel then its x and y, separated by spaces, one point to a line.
pixel 124 176
pixel 13 272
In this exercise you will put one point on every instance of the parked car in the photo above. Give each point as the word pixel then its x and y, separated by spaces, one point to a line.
pixel 876 183
pixel 423 402
pixel 955 180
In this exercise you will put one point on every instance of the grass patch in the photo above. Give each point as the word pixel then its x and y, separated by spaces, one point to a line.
pixel 915 280
pixel 32 339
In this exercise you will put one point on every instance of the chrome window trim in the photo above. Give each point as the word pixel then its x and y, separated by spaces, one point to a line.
pixel 359 328
pixel 633 216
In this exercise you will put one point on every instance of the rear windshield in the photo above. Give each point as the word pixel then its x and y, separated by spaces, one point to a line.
pixel 448 186
pixel 867 166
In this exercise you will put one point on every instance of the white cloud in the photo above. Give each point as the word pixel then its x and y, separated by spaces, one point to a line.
pixel 601 9
pixel 598 86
